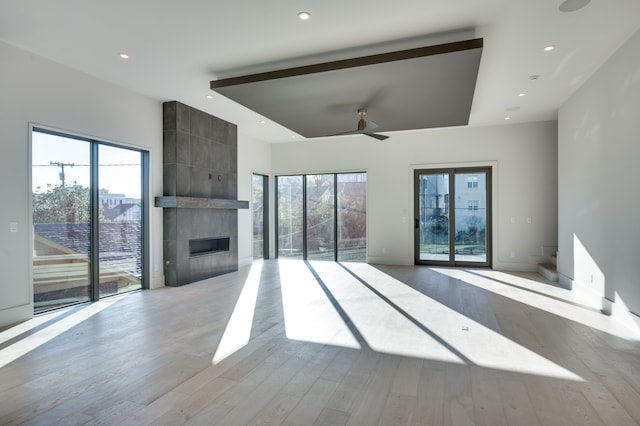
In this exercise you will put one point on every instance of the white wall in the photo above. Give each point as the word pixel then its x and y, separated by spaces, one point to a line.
pixel 599 202
pixel 35 90
pixel 254 156
pixel 524 158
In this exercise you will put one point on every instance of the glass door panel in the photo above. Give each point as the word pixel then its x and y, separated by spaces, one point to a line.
pixel 320 217
pixel 120 226
pixel 471 217
pixel 258 205
pixel 433 216
pixel 352 217
pixel 61 220
pixel 290 216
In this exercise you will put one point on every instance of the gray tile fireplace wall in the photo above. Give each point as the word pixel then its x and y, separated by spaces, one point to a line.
pixel 200 160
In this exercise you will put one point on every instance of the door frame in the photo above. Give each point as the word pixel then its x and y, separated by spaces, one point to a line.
pixel 94 184
pixel 451 171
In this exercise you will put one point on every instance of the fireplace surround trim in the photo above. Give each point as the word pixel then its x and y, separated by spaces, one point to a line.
pixel 199 203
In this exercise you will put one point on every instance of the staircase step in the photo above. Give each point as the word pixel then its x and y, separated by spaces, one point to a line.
pixel 549 271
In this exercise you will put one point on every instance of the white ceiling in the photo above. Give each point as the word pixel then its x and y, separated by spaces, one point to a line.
pixel 177 46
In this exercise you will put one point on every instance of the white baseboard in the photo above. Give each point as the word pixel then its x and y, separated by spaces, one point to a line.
pixel 587 293
pixel 387 260
pixel 156 282
pixel 515 267
pixel 565 281
pixel 620 313
pixel 245 261
pixel 14 315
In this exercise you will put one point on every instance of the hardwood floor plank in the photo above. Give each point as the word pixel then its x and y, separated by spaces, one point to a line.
pixel 276 411
pixel 517 405
pixel 311 405
pixel 263 393
pixel 487 402
pixel 458 396
pixel 398 410
pixel 429 409
pixel 347 394
pixel 371 402
pixel 329 417
pixel 407 377
pixel 177 408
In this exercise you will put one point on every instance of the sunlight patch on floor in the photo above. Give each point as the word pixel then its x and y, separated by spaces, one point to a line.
pixel 39 338
pixel 477 343
pixel 26 326
pixel 588 316
pixel 382 327
pixel 309 315
pixel 238 331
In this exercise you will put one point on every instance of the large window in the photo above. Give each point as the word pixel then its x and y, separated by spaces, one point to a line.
pixel 290 206
pixel 352 216
pixel 88 219
pixel 322 216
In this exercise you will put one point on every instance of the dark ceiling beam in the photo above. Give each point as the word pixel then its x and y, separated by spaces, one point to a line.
pixel 380 58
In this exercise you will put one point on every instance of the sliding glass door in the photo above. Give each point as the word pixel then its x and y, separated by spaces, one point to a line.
pixel 120 224
pixel 452 216
pixel 88 219
pixel 61 201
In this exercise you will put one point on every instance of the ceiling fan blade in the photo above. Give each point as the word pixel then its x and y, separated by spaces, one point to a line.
pixel 370 127
pixel 350 132
pixel 377 136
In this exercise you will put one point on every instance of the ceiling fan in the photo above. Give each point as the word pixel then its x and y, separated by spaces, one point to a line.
pixel 365 127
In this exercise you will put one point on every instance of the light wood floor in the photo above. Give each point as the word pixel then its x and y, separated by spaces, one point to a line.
pixel 327 344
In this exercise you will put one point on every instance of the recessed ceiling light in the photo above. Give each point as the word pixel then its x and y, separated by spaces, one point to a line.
pixel 521 94
pixel 534 76
pixel 124 56
pixel 293 136
pixel 262 122
pixel 304 15
pixel 507 118
pixel 209 96
pixel 549 48
pixel 572 5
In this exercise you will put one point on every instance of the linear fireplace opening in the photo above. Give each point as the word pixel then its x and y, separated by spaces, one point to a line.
pixel 204 246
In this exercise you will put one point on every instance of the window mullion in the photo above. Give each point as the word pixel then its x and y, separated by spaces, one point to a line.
pixel 94 257
pixel 335 217
pixel 304 217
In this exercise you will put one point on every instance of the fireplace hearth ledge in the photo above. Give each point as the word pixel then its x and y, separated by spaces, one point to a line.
pixel 168 202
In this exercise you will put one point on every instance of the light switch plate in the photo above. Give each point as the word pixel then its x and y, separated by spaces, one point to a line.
pixel 13 226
